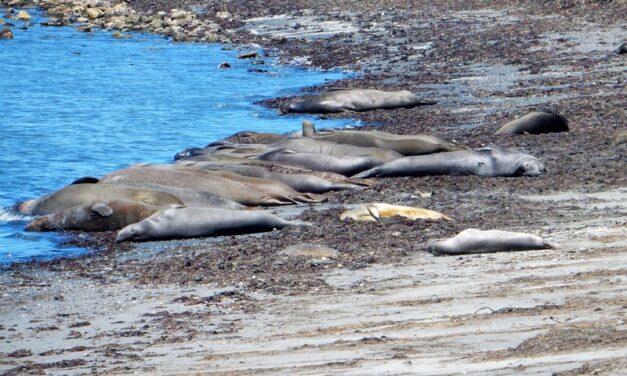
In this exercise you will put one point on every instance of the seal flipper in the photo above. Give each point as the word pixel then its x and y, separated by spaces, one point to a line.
pixel 309 129
pixel 374 212
pixel 102 209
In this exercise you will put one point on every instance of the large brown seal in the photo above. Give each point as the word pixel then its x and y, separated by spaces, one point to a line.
pixel 106 215
pixel 345 165
pixel 493 161
pixel 191 222
pixel 199 181
pixel 476 241
pixel 406 145
pixel 308 145
pixel 355 100
pixel 535 123
pixel 79 194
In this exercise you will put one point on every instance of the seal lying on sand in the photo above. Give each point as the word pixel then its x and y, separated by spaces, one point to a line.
pixel 79 194
pixel 193 198
pixel 406 145
pixel 189 222
pixel 476 241
pixel 345 165
pixel 493 161
pixel 106 215
pixel 536 123
pixel 308 145
pixel 355 100
pixel 299 182
pixel 376 211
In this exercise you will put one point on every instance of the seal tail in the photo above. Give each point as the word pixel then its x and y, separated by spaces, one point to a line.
pixel 373 172
pixel 297 222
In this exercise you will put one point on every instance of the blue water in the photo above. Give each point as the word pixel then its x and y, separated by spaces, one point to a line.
pixel 74 104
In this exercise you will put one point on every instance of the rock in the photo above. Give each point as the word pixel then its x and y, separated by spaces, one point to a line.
pixel 179 14
pixel 620 137
pixel 84 28
pixel 6 33
pixel 93 13
pixel 2 22
pixel 116 22
pixel 224 65
pixel 622 49
pixel 119 35
pixel 23 15
pixel 310 251
pixel 248 55
pixel 224 15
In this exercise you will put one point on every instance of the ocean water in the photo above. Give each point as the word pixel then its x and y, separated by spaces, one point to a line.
pixel 78 104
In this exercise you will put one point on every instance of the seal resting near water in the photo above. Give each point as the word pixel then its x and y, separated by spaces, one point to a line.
pixel 340 100
pixel 106 215
pixel 535 123
pixel 493 161
pixel 472 241
pixel 308 145
pixel 406 145
pixel 191 222
pixel 79 194
pixel 345 165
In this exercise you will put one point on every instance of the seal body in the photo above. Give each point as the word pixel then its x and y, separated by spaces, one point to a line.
pixel 345 165
pixel 249 137
pixel 106 215
pixel 307 145
pixel 535 123
pixel 476 241
pixel 190 222
pixel 79 194
pixel 376 211
pixel 193 198
pixel 483 162
pixel 355 100
pixel 406 145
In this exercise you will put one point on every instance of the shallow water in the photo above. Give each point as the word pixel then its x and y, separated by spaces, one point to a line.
pixel 75 104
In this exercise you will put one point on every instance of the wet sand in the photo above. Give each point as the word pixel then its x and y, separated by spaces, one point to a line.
pixel 232 305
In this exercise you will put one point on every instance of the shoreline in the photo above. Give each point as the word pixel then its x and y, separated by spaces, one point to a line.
pixel 184 304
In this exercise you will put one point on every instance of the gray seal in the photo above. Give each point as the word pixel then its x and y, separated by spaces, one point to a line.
pixel 79 194
pixel 308 145
pixel 355 100
pixel 345 165
pixel 535 123
pixel 191 222
pixel 406 145
pixel 107 215
pixel 472 241
pixel 493 161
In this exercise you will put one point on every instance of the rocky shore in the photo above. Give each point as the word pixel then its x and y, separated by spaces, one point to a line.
pixel 384 303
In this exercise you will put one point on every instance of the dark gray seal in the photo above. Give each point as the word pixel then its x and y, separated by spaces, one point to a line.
pixel 345 165
pixel 308 145
pixel 535 123
pixel 406 145
pixel 192 222
pixel 107 215
pixel 483 162
pixel 476 241
pixel 355 100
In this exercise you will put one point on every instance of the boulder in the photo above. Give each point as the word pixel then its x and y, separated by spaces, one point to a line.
pixel 93 13
pixel 6 33
pixel 23 15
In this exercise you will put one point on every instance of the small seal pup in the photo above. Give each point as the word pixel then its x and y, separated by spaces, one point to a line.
pixel 472 241
pixel 406 145
pixel 106 215
pixel 183 222
pixel 535 123
pixel 341 100
pixel 375 211
pixel 494 161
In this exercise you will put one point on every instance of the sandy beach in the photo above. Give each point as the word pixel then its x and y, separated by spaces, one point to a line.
pixel 235 306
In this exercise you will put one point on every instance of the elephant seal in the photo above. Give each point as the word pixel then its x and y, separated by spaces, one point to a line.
pixel 535 123
pixel 199 181
pixel 299 182
pixel 190 222
pixel 106 215
pixel 375 211
pixel 355 100
pixel 493 161
pixel 345 165
pixel 193 198
pixel 308 145
pixel 85 180
pixel 472 241
pixel 406 145
pixel 249 137
pixel 79 194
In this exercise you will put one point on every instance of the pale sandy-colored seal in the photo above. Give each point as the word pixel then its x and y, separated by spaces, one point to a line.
pixel 494 161
pixel 375 211
pixel 355 100
pixel 476 241
pixel 535 123
pixel 105 215
pixel 191 222
pixel 406 145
